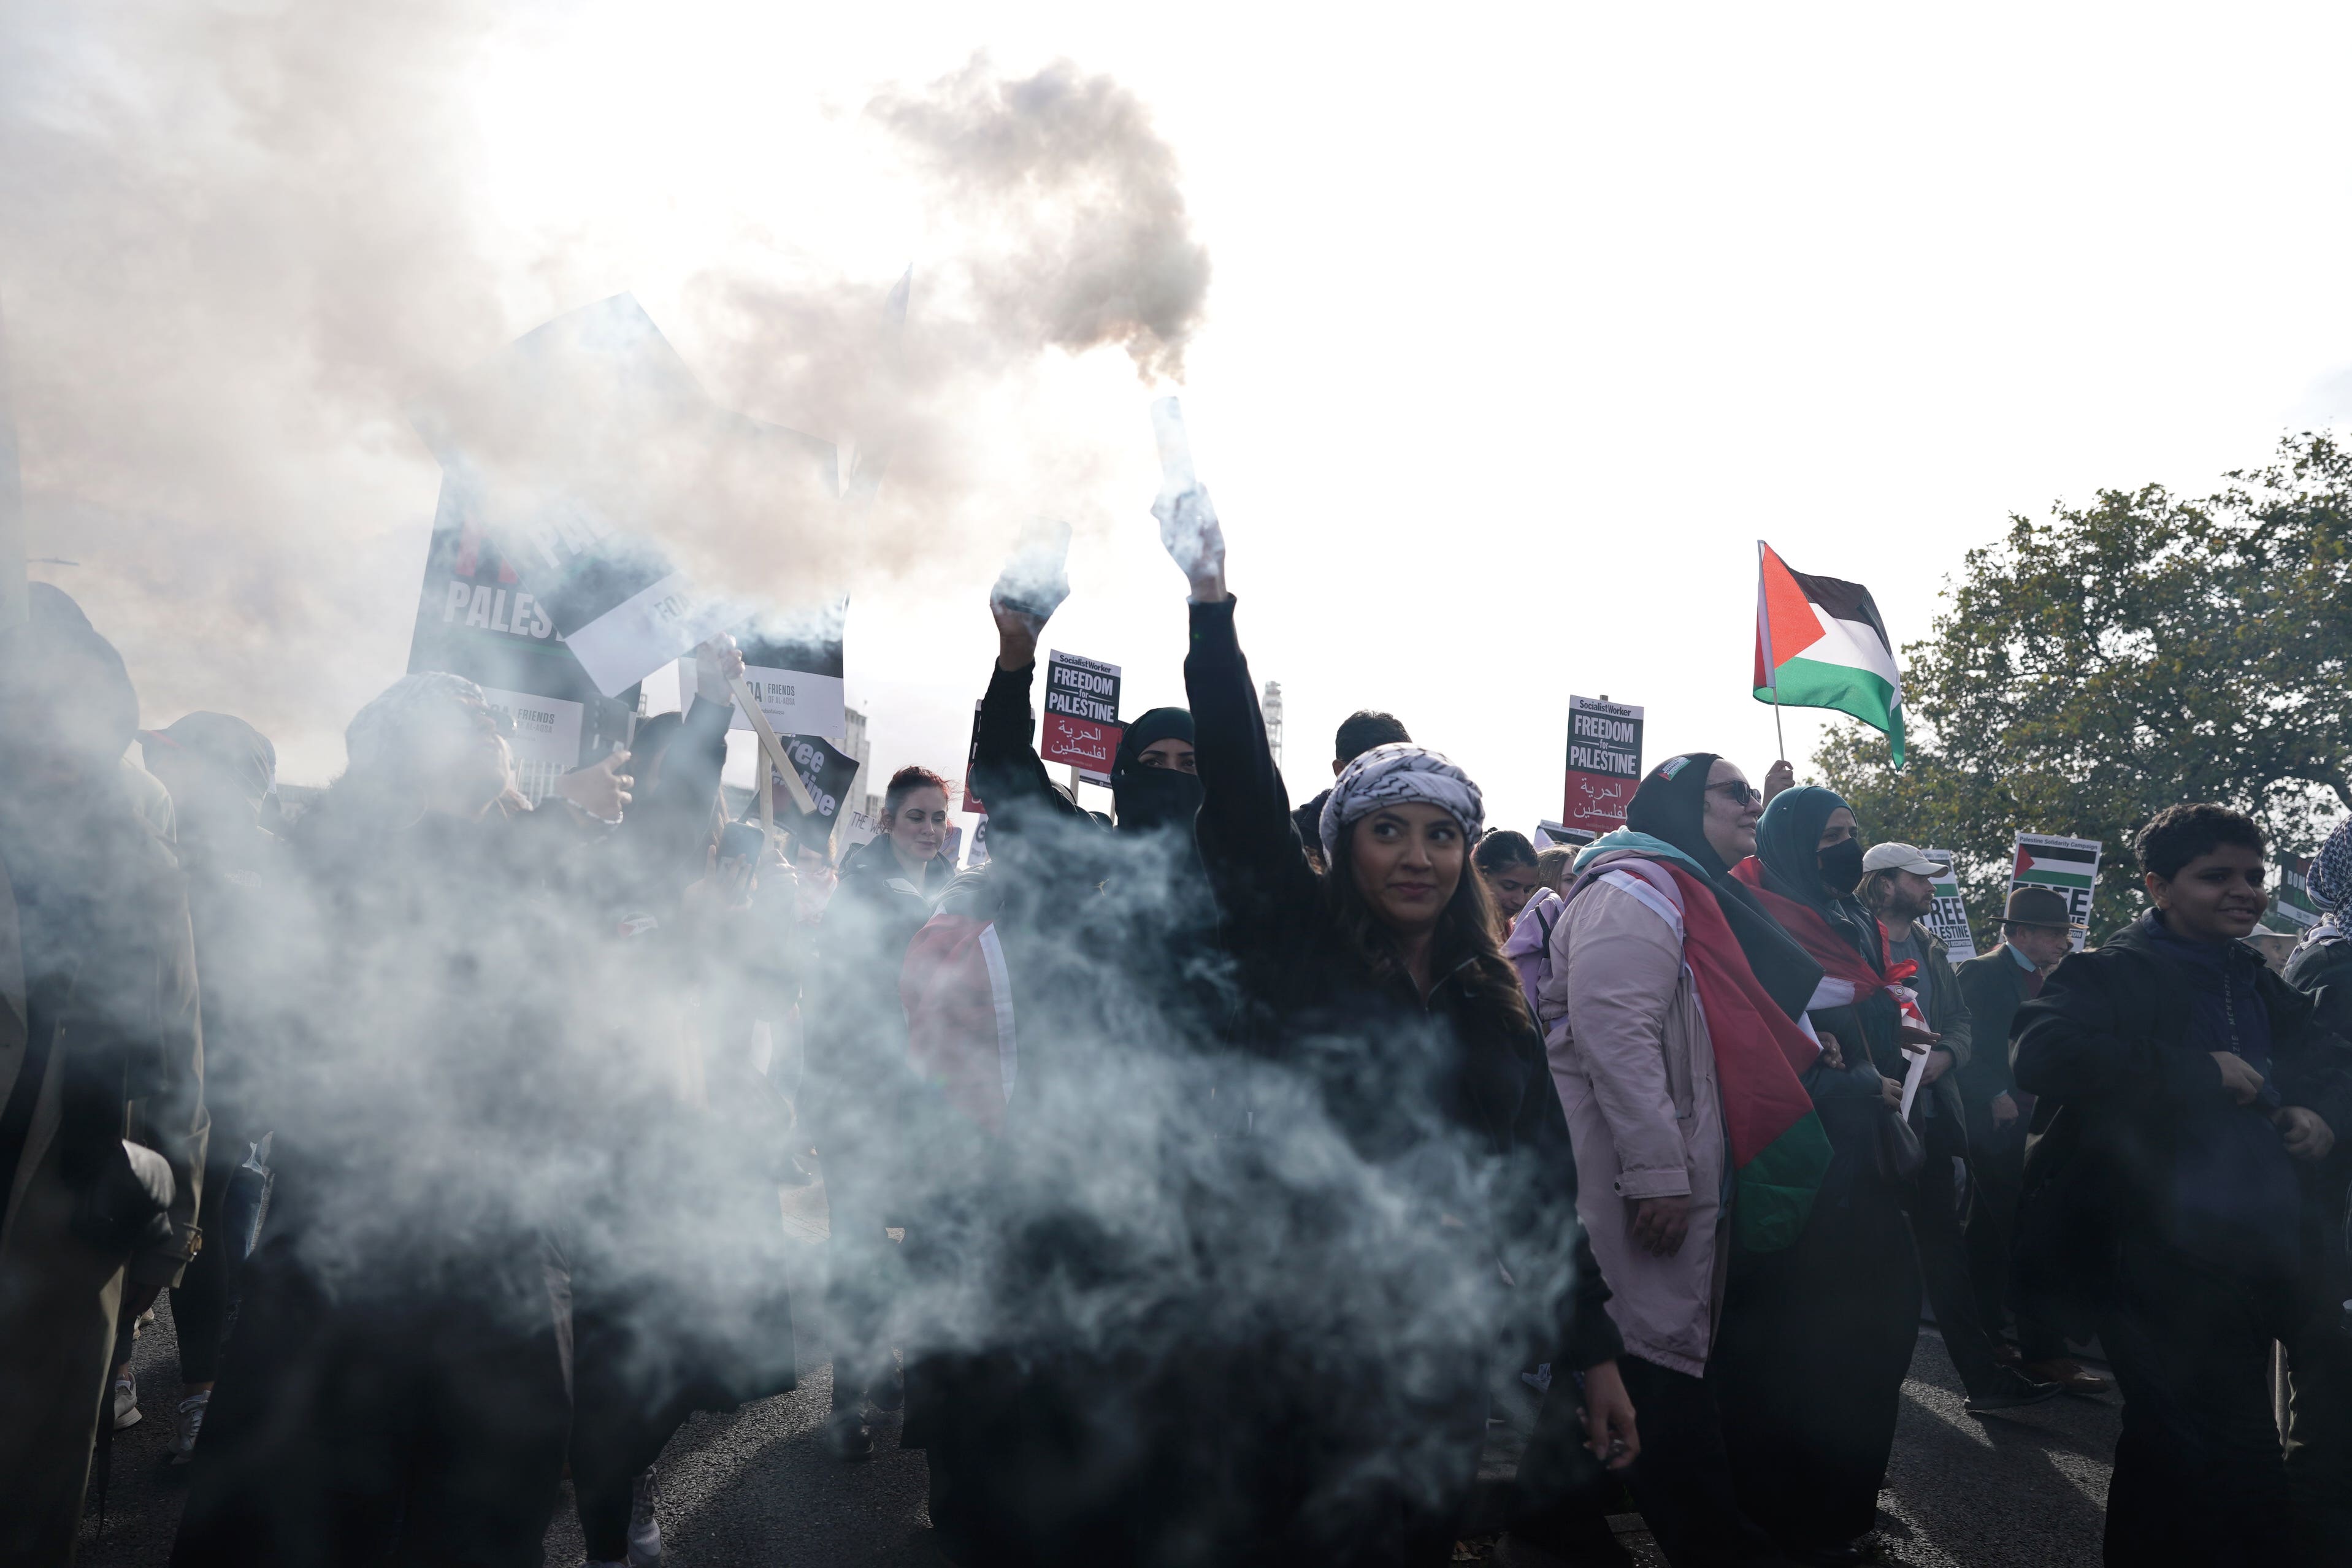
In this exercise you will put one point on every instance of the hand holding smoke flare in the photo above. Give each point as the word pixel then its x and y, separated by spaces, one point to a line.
pixel 1187 518
pixel 1036 578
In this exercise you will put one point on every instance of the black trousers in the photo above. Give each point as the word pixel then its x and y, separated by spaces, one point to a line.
pixel 1997 1179
pixel 1810 1363
pixel 201 1301
pixel 2199 1476
pixel 2319 1438
pixel 1932 1202
pixel 1564 1492
pixel 414 1420
pixel 1683 1483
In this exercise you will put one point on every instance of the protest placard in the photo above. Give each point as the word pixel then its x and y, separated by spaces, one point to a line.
pixel 2292 910
pixel 1950 917
pixel 825 773
pixel 792 666
pixel 474 619
pixel 1604 763
pixel 2068 867
pixel 1548 834
pixel 1082 725
pixel 577 445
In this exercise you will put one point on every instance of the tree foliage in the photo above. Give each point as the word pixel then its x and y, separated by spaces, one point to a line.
pixel 2098 667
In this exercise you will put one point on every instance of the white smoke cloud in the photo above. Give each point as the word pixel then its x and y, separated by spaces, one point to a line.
pixel 237 244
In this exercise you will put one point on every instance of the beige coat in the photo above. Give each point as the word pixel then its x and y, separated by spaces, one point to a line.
pixel 1635 1070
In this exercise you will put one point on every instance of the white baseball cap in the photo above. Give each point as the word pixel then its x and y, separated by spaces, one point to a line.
pixel 1898 857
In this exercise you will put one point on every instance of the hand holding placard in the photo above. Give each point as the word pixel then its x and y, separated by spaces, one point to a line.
pixel 1188 519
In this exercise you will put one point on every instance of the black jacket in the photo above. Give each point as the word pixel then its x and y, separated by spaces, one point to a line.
pixel 1995 988
pixel 2104 1047
pixel 1392 1069
pixel 857 1025
pixel 2322 970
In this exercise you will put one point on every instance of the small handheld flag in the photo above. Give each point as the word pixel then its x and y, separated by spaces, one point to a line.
pixel 1820 643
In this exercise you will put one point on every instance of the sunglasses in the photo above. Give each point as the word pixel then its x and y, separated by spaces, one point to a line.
pixel 1738 791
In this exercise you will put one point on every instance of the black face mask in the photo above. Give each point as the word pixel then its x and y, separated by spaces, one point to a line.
pixel 1148 797
pixel 1842 866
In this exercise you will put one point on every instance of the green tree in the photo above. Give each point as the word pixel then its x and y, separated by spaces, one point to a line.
pixel 2098 667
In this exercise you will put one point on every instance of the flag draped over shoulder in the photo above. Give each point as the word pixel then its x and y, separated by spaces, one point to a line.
pixel 1820 643
pixel 1780 1153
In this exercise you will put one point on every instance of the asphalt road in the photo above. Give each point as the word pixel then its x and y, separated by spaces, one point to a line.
pixel 754 1486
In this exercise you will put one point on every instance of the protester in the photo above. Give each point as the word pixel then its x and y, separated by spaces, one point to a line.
pixel 397 1381
pixel 2036 932
pixel 1380 982
pixel 1506 864
pixel 1358 733
pixel 101 1001
pixel 1063 1441
pixel 2186 1097
pixel 1553 862
pixel 1897 888
pixel 1816 1339
pixel 857 1054
pixel 220 771
pixel 2319 1433
pixel 2321 966
pixel 1673 1002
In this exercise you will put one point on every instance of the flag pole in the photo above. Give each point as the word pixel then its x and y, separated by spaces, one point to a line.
pixel 1771 669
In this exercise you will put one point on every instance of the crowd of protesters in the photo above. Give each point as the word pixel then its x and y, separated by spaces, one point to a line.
pixel 1202 1181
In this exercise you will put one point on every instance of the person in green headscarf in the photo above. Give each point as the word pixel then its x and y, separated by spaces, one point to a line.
pixel 1817 1339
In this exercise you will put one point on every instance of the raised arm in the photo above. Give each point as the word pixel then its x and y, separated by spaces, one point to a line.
pixel 1006 771
pixel 1247 840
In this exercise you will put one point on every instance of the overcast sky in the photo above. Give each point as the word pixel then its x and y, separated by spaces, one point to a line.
pixel 1525 324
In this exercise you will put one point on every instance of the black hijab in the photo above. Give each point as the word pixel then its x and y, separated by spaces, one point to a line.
pixel 1671 805
pixel 1152 798
pixel 1787 847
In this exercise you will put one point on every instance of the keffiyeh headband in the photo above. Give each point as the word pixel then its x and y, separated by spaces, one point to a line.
pixel 1393 774
pixel 2331 872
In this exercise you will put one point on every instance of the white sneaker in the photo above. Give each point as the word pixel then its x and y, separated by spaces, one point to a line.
pixel 126 1402
pixel 187 1422
pixel 645 1528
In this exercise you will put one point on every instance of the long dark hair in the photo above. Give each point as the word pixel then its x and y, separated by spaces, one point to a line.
pixel 1464 945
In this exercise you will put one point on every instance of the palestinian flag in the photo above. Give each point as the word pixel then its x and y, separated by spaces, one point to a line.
pixel 1820 643
pixel 2055 862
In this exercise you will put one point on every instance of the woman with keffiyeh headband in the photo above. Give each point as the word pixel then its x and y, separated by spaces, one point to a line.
pixel 1406 1139
pixel 2321 967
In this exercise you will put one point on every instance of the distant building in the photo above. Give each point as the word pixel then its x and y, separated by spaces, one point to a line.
pixel 1271 706
pixel 852 730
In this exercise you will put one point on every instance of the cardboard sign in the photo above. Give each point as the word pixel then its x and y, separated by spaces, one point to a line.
pixel 476 619
pixel 2292 910
pixel 2068 867
pixel 1082 725
pixel 576 444
pixel 978 844
pixel 793 666
pixel 1950 918
pixel 1604 763
pixel 827 773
